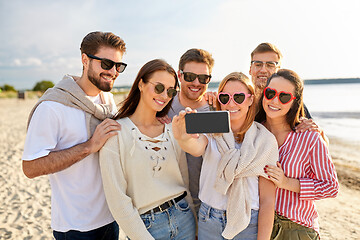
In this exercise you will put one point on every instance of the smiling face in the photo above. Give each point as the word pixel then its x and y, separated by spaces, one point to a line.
pixel 259 75
pixel 149 97
pixel 102 79
pixel 274 108
pixel 238 112
pixel 193 91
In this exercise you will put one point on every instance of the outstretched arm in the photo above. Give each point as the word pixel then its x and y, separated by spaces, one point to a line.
pixel 60 160
pixel 193 144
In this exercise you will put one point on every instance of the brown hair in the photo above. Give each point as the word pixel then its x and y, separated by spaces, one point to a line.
pixel 129 105
pixel 267 47
pixel 94 40
pixel 196 55
pixel 297 107
pixel 238 76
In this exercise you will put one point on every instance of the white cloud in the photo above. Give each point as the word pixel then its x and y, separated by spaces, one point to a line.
pixel 27 62
pixel 317 38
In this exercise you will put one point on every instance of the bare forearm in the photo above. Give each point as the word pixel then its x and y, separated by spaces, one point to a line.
pixel 265 221
pixel 291 184
pixel 56 161
pixel 266 208
pixel 194 146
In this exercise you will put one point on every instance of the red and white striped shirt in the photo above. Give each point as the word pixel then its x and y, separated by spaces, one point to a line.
pixel 306 157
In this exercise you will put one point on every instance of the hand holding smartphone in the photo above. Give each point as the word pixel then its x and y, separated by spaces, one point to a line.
pixel 207 122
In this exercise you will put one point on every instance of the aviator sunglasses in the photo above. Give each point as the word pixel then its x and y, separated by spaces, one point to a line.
pixel 284 97
pixel 190 77
pixel 108 64
pixel 238 97
pixel 159 88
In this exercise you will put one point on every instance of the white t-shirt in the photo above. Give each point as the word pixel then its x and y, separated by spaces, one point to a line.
pixel 78 199
pixel 207 192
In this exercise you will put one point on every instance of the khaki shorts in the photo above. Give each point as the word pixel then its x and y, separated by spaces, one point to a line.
pixel 285 229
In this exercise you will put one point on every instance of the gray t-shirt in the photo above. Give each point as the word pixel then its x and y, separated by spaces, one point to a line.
pixel 194 163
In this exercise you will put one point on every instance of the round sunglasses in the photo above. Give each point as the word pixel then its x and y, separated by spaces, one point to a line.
pixel 160 88
pixel 108 64
pixel 238 97
pixel 284 97
pixel 190 77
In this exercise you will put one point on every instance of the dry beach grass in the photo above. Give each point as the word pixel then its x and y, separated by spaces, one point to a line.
pixel 25 203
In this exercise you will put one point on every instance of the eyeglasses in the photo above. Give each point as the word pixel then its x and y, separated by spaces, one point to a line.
pixel 108 64
pixel 238 97
pixel 270 65
pixel 190 77
pixel 284 97
pixel 159 88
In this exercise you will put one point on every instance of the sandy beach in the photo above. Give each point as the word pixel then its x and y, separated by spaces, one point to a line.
pixel 25 203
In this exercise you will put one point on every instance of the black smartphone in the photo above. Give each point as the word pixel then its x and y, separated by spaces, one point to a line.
pixel 207 122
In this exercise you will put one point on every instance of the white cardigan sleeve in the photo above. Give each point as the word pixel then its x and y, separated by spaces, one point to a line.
pixel 115 185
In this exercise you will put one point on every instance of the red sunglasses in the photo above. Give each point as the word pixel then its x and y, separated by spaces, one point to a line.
pixel 238 97
pixel 284 97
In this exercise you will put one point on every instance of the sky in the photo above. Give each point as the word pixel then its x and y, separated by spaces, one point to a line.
pixel 40 39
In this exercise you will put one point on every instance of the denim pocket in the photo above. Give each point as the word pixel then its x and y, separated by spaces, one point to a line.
pixel 202 214
pixel 183 205
pixel 146 221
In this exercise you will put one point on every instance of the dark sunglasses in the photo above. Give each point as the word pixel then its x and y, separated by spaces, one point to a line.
pixel 190 77
pixel 284 97
pixel 238 97
pixel 159 88
pixel 108 64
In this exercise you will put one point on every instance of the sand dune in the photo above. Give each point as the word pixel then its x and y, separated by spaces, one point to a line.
pixel 25 203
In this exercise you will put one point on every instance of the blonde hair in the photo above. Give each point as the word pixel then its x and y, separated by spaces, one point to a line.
pixel 250 116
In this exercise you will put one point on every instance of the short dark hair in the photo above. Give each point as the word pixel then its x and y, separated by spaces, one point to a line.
pixel 129 105
pixel 297 108
pixel 196 55
pixel 93 41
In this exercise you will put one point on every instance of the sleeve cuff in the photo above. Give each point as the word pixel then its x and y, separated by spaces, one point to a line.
pixel 307 191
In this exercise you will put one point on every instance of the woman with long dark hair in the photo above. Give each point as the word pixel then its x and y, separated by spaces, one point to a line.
pixel 305 172
pixel 143 169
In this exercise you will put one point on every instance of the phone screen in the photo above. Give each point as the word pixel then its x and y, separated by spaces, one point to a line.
pixel 207 122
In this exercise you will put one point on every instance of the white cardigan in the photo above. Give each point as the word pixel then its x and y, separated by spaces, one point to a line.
pixel 258 149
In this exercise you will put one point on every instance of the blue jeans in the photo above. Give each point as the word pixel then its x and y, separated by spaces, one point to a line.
pixel 212 223
pixel 176 222
pixel 107 232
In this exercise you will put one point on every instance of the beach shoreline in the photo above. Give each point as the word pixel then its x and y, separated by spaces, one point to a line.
pixel 25 208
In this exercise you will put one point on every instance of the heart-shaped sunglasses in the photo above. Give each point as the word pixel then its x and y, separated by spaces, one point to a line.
pixel 284 97
pixel 238 97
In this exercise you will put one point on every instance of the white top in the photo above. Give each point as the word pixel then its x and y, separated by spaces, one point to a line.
pixel 77 199
pixel 140 174
pixel 207 192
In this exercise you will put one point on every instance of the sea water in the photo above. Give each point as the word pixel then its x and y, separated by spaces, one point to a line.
pixel 335 108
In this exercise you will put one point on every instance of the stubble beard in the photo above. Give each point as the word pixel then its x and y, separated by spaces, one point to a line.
pixel 101 85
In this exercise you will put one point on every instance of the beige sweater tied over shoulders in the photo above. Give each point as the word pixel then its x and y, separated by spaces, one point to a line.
pixel 69 93
pixel 258 149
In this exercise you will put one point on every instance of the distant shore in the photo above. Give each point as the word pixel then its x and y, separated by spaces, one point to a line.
pixel 25 208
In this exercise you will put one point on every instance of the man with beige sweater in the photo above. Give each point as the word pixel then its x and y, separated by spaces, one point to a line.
pixel 66 129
